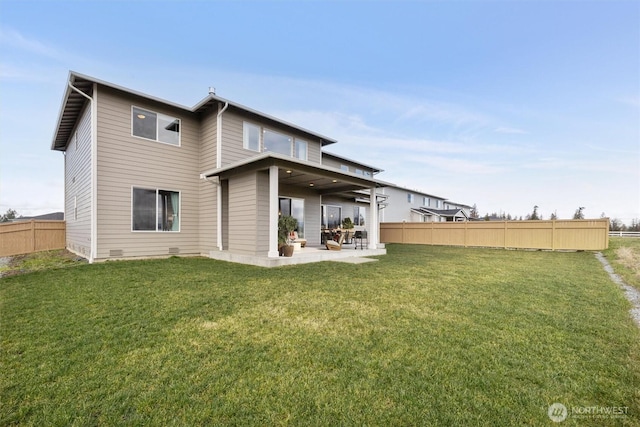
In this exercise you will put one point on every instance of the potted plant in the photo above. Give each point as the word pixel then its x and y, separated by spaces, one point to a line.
pixel 286 225
pixel 347 224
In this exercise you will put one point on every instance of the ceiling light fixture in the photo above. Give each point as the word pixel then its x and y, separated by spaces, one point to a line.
pixel 311 184
pixel 141 116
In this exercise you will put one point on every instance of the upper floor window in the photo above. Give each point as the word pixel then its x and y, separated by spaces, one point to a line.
pixel 344 168
pixel 256 138
pixel 409 198
pixel 438 204
pixel 425 201
pixel 251 139
pixel 277 142
pixel 155 126
pixel 301 149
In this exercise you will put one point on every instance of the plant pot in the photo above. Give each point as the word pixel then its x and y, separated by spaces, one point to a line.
pixel 287 250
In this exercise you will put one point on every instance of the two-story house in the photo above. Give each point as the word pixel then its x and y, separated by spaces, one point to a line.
pixel 409 205
pixel 145 177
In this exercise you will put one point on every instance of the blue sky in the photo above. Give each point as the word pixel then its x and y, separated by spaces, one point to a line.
pixel 502 104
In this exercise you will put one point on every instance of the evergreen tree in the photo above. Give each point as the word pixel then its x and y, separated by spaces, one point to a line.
pixel 11 214
pixel 578 213
pixel 534 215
pixel 474 212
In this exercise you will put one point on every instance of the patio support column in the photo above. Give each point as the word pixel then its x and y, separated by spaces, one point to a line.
pixel 273 212
pixel 375 226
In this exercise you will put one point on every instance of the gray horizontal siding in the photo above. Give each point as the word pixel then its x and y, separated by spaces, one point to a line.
pixel 78 186
pixel 232 139
pixel 243 233
pixel 125 161
pixel 208 190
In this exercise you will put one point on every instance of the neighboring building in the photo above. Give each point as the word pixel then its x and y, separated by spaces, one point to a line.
pixel 403 204
pixel 53 216
pixel 146 177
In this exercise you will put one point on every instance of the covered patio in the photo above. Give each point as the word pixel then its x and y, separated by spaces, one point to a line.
pixel 267 178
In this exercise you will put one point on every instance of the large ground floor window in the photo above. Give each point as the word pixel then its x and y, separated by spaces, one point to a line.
pixel 359 215
pixel 155 210
pixel 331 216
pixel 295 208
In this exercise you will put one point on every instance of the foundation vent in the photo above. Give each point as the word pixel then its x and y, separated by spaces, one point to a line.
pixel 116 252
pixel 174 251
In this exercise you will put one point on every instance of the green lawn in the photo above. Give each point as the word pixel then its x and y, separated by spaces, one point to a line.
pixel 426 336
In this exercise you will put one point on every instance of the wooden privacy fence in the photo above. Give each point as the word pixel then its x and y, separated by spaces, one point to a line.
pixel 551 235
pixel 24 237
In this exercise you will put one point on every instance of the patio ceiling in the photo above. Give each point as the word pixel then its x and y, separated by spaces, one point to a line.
pixel 301 174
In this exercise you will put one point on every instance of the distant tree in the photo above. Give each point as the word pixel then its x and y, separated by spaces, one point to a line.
pixel 578 213
pixel 635 225
pixel 616 225
pixel 534 215
pixel 11 214
pixel 554 215
pixel 474 212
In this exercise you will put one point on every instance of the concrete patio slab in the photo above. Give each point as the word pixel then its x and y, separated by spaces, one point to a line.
pixel 303 256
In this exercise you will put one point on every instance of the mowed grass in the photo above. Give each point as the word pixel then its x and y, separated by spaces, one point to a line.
pixel 425 336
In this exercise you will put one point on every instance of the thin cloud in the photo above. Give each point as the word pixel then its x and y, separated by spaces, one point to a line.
pixel 509 131
pixel 14 39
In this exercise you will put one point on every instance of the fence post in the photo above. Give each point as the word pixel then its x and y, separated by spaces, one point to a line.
pixel 466 231
pixel 553 235
pixel 33 235
pixel 505 234
pixel 403 231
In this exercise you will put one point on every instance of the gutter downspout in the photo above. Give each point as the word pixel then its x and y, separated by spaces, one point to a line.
pixel 219 183
pixel 94 167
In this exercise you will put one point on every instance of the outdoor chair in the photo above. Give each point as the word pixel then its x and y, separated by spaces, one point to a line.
pixel 297 239
pixel 332 245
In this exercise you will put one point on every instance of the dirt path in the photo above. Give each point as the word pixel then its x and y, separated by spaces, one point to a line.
pixel 632 294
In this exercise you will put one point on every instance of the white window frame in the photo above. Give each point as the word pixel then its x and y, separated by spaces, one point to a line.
pixel 157 190
pixel 302 226
pixel 359 211
pixel 245 139
pixel 289 138
pixel 426 201
pixel 297 141
pixel 293 141
pixel 410 197
pixel 325 206
pixel 158 115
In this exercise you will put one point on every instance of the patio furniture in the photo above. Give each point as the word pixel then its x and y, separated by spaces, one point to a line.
pixel 360 235
pixel 297 239
pixel 332 245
